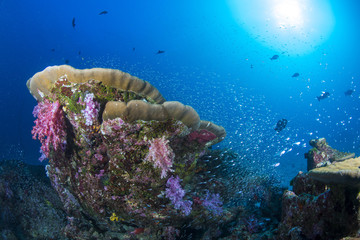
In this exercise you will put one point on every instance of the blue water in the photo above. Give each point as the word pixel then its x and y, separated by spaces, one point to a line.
pixel 211 62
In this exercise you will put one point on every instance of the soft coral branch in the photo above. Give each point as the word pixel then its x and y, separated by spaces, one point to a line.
pixel 91 110
pixel 161 155
pixel 176 194
pixel 49 126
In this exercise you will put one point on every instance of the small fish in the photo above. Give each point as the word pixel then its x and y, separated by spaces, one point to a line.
pixel 281 124
pixel 349 92
pixel 323 96
pixel 103 12
pixel 251 66
pixel 133 49
pixel 138 231
pixel 53 49
pixel 160 51
pixel 114 218
pixel 282 153
pixel 73 23
pixel 67 61
pixel 79 52
pixel 274 57
pixel 295 75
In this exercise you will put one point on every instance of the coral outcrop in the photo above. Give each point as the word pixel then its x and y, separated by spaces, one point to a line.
pixel 125 160
pixel 324 203
pixel 346 172
pixel 322 154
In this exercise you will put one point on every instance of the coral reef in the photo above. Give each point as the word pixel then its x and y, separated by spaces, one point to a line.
pixel 324 203
pixel 29 207
pixel 322 154
pixel 127 165
pixel 252 199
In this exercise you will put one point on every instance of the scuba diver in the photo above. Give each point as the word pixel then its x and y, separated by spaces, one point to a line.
pixel 281 124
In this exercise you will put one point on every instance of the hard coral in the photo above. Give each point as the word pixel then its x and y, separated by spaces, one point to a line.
pixel 49 126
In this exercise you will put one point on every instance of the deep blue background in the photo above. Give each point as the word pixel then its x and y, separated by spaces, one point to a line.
pixel 206 64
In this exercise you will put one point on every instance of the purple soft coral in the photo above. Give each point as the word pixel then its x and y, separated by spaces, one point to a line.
pixel 91 110
pixel 161 155
pixel 213 203
pixel 175 193
pixel 49 126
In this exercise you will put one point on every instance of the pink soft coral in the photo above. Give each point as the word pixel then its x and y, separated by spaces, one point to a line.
pixel 91 110
pixel 161 155
pixel 49 126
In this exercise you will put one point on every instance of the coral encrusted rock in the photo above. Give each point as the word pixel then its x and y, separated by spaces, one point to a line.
pixel 120 146
pixel 324 203
pixel 322 154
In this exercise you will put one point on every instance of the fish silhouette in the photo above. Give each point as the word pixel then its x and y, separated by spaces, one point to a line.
pixel 323 96
pixel 73 23
pixel 103 12
pixel 281 124
pixel 160 51
pixel 295 75
pixel 349 92
pixel 274 57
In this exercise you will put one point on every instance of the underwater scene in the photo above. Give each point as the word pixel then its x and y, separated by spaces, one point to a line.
pixel 193 119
